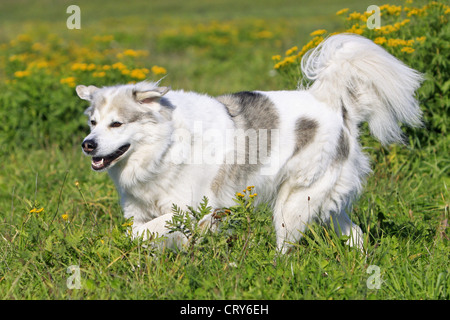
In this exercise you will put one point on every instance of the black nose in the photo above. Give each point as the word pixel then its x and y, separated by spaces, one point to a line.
pixel 89 146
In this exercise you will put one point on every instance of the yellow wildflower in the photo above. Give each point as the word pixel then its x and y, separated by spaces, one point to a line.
pixel 106 38
pixel 421 39
pixel 342 11
pixel 21 74
pixel 99 74
pixel 70 81
pixel 265 34
pixel 380 40
pixel 119 66
pixel 65 217
pixel 158 70
pixel 291 50
pixel 318 32
pixel 240 195
pixel 78 66
pixel 354 16
pixel 35 210
pixel 132 53
pixel 356 28
pixel 407 49
pixel 42 64
pixel 138 74
pixel 276 57
pixel 37 46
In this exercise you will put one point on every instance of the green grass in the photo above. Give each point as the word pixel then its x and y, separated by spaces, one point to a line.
pixel 403 211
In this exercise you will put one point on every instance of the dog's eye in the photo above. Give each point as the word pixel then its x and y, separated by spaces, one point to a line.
pixel 115 124
pixel 93 122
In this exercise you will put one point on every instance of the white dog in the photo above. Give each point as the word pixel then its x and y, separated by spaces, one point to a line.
pixel 298 148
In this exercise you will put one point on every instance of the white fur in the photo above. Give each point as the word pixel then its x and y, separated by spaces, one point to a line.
pixel 166 163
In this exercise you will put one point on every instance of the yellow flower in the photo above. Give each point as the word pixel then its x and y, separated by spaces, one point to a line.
pixel 276 57
pixel 35 210
pixel 138 74
pixel 132 53
pixel 70 81
pixel 354 16
pixel 158 70
pixel 127 224
pixel 21 74
pixel 42 64
pixel 318 32
pixel 65 217
pixel 37 46
pixel 421 39
pixel 356 28
pixel 99 74
pixel 380 40
pixel 78 66
pixel 119 66
pixel 407 49
pixel 240 195
pixel 265 34
pixel 106 38
pixel 342 11
pixel 291 50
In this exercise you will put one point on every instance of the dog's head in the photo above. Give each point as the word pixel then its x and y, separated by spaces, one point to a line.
pixel 117 117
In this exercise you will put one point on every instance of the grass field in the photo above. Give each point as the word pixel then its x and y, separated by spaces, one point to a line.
pixel 60 222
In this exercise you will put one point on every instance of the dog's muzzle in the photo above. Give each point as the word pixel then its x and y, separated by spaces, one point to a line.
pixel 102 162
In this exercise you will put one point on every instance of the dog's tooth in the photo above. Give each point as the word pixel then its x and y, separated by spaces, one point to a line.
pixel 98 164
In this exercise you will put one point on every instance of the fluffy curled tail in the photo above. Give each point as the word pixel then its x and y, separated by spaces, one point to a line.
pixel 351 71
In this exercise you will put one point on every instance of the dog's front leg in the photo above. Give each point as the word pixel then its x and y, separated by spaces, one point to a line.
pixel 157 228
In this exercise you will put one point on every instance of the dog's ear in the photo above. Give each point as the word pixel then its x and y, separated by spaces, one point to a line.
pixel 86 93
pixel 150 96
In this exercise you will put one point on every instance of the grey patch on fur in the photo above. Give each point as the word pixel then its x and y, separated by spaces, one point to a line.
pixel 343 147
pixel 305 131
pixel 249 111
pixel 129 112
pixel 97 101
pixel 345 116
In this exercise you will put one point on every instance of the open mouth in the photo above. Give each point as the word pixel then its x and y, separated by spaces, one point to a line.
pixel 100 163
